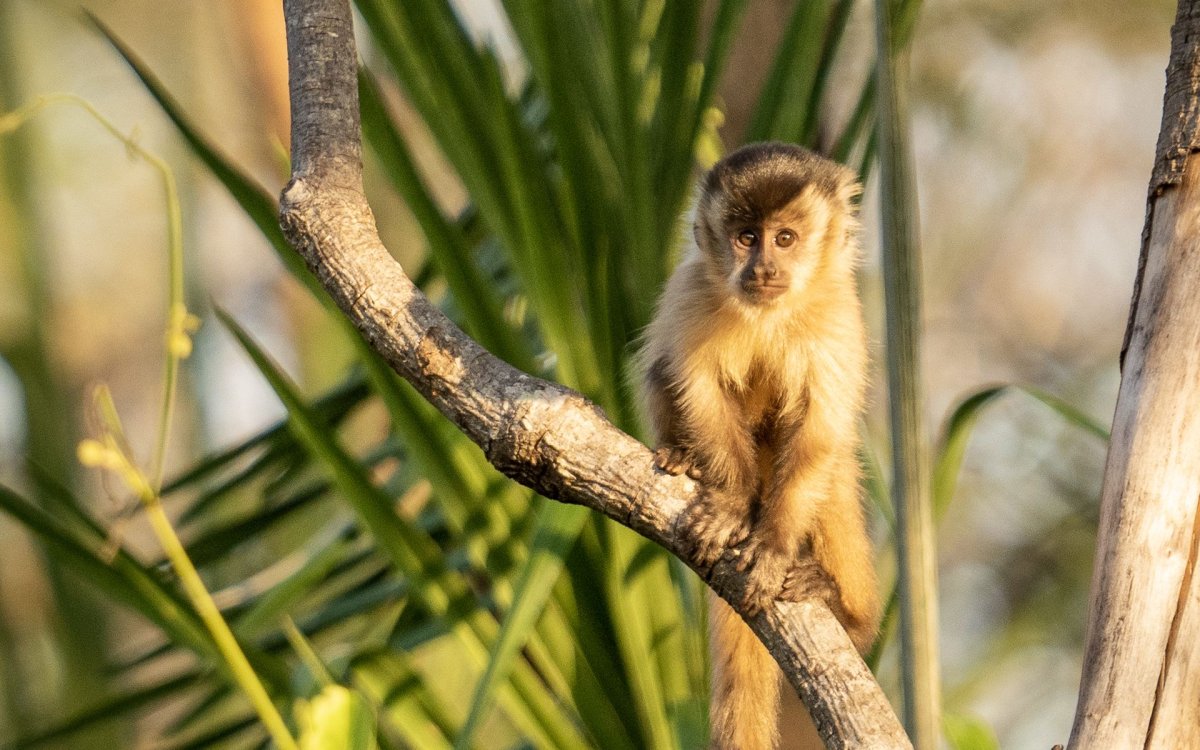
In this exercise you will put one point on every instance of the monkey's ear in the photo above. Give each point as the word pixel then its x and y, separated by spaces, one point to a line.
pixel 849 188
pixel 701 229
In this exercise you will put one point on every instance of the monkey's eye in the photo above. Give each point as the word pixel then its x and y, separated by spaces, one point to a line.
pixel 785 238
pixel 747 238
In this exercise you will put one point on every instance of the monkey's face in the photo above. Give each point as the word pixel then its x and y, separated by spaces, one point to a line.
pixel 771 218
pixel 773 256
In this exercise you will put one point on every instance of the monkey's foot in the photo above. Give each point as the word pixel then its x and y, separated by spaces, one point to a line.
pixel 712 529
pixel 675 461
pixel 766 567
pixel 808 580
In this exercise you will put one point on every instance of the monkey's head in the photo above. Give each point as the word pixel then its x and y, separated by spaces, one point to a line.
pixel 771 217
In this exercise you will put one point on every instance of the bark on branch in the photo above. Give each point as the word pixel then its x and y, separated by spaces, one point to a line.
pixel 541 434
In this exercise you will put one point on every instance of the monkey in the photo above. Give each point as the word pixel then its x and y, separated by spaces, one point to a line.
pixel 753 379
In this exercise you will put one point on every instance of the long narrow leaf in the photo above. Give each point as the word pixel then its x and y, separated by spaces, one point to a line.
pixel 784 107
pixel 407 705
pixel 558 527
pixel 119 706
pixel 407 550
pixel 500 164
pixel 123 578
pixel 450 465
pixel 631 597
pixel 258 204
pixel 961 422
pixel 212 736
pixel 910 483
pixel 270 609
pixel 834 32
pixel 411 551
pixel 447 242
pixel 331 407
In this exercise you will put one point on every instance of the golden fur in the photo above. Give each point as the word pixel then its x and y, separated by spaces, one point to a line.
pixel 754 375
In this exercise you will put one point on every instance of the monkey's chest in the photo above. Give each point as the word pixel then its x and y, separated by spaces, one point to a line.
pixel 759 400
pixel 760 409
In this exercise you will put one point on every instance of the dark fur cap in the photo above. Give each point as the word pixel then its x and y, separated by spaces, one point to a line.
pixel 760 178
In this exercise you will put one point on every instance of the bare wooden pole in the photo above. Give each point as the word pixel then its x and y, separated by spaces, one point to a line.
pixel 1141 675
pixel 539 433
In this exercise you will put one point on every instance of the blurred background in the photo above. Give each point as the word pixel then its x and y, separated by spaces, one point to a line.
pixel 1034 126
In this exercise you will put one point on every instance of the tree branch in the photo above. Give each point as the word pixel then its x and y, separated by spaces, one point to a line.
pixel 541 434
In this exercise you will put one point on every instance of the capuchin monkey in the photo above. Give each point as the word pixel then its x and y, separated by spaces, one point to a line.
pixel 753 378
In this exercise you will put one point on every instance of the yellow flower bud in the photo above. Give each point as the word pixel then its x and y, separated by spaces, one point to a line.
pixel 92 453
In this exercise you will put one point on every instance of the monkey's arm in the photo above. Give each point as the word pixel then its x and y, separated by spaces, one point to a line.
pixel 698 429
pixel 661 406
pixel 812 478
pixel 807 454
pixel 718 438
pixel 709 441
pixel 814 502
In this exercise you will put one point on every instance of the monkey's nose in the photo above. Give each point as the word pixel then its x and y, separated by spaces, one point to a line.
pixel 767 270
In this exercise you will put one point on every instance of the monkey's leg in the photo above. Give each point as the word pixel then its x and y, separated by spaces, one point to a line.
pixel 716 522
pixel 772 550
pixel 796 472
pixel 843 550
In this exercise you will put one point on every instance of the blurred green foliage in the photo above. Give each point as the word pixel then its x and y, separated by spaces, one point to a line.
pixel 419 574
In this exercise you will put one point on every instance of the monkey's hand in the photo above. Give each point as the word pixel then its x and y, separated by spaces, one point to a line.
pixel 675 461
pixel 713 527
pixel 766 565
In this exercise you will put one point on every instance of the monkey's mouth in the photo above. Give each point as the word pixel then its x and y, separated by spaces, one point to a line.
pixel 759 293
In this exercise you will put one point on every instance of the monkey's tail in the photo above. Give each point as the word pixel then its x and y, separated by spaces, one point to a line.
pixel 744 706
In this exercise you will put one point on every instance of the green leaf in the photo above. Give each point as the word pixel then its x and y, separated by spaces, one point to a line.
pixel 834 31
pixel 633 591
pixel 215 544
pixel 1068 412
pixel 276 442
pixel 557 528
pixel 439 451
pixel 336 719
pixel 209 703
pixel 280 599
pixel 959 425
pixel 891 612
pixel 486 137
pixel 392 682
pixel 859 126
pixel 122 577
pixel 119 706
pixel 218 732
pixel 965 732
pixel 726 21
pixel 789 94
pixel 953 445
pixel 448 245
pixel 410 550
pixel 258 204
pixel 876 484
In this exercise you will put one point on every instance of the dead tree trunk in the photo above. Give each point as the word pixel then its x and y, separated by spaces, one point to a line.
pixel 1141 675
